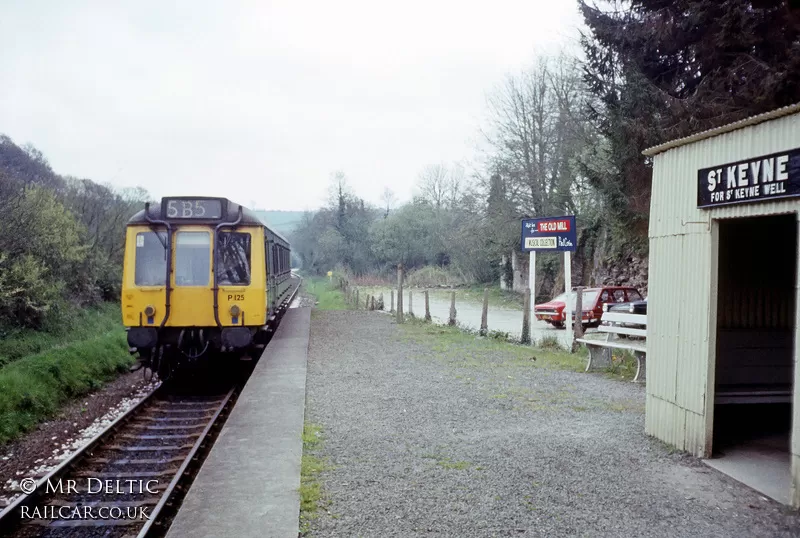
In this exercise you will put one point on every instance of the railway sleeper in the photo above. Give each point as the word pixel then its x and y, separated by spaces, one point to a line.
pixel 131 461
pixel 99 504
pixel 117 475
pixel 153 437
pixel 148 448
pixel 176 427
pixel 85 522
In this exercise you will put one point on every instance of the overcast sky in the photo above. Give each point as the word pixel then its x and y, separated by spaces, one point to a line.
pixel 262 101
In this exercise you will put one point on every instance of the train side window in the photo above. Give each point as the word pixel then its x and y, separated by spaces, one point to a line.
pixel 233 259
pixel 150 259
pixel 192 258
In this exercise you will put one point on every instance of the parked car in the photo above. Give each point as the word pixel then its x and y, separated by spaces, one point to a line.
pixel 632 307
pixel 593 300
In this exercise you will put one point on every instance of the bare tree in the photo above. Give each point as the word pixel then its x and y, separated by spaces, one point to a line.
pixel 389 200
pixel 536 134
pixel 432 184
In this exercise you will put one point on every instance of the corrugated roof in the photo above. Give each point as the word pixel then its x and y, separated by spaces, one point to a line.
pixel 752 120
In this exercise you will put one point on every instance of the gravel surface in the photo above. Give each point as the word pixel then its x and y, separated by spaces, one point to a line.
pixel 41 450
pixel 470 441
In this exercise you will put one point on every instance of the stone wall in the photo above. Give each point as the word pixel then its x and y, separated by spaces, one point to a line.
pixel 590 271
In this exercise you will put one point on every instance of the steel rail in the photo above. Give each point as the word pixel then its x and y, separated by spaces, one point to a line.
pixel 165 497
pixel 11 514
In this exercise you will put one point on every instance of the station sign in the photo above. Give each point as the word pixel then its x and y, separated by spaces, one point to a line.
pixel 553 234
pixel 768 177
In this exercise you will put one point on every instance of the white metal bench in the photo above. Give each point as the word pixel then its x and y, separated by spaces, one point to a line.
pixel 600 350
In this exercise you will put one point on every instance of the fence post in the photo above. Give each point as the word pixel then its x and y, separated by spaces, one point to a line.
pixel 485 313
pixel 452 320
pixel 380 302
pixel 427 307
pixel 578 327
pixel 392 308
pixel 399 293
pixel 372 303
pixel 411 303
pixel 526 317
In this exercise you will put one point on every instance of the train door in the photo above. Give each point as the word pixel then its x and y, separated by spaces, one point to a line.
pixel 269 250
pixel 192 279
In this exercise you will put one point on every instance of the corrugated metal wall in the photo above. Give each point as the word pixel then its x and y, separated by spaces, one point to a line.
pixel 682 289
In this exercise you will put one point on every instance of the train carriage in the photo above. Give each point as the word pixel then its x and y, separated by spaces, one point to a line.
pixel 201 275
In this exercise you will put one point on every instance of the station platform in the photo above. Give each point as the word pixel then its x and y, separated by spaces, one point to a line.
pixel 249 483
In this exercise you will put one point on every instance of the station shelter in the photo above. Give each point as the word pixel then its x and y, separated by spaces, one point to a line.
pixel 722 328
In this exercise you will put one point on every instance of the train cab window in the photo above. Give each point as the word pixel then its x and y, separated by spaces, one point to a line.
pixel 150 259
pixel 192 258
pixel 233 259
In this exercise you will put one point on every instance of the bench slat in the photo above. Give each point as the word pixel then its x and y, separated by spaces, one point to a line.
pixel 621 317
pixel 601 343
pixel 622 330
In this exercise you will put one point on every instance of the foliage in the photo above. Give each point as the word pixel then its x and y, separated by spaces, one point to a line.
pixel 310 468
pixel 662 70
pixel 65 324
pixel 33 388
pixel 432 276
pixel 327 296
pixel 61 238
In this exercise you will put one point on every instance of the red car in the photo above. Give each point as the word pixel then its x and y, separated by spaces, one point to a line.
pixel 593 300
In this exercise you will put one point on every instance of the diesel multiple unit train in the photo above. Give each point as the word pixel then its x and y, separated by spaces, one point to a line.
pixel 202 277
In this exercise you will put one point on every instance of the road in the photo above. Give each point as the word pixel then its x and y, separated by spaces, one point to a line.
pixel 468 314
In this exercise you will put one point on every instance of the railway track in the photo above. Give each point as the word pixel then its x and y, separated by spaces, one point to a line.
pixel 129 479
pixel 124 482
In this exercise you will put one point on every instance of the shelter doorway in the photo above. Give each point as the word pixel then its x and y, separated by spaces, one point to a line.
pixel 755 347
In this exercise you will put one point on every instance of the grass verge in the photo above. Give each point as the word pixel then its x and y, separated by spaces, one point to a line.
pixel 467 349
pixel 328 297
pixel 72 326
pixel 35 387
pixel 310 468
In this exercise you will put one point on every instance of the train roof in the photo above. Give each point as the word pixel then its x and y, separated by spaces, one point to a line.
pixel 249 217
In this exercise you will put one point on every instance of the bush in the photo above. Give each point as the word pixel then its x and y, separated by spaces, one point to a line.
pixel 26 291
pixel 432 276
pixel 34 388
pixel 64 323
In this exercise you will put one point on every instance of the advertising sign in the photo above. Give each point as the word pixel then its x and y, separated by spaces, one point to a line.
pixel 550 234
pixel 753 180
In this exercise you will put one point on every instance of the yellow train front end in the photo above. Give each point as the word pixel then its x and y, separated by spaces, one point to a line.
pixel 195 282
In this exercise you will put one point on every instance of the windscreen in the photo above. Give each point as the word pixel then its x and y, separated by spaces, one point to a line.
pixel 150 259
pixel 634 295
pixel 233 259
pixel 192 259
pixel 588 298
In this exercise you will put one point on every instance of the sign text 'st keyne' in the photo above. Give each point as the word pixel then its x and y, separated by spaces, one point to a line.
pixel 761 178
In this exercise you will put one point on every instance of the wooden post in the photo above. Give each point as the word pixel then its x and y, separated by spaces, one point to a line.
pixel 485 313
pixel 372 303
pixel 579 312
pixel 578 328
pixel 427 307
pixel 411 303
pixel 392 309
pixel 380 302
pixel 526 318
pixel 399 293
pixel 452 320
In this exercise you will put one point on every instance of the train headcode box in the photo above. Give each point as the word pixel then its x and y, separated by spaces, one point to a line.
pixel 549 234
pixel 761 178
